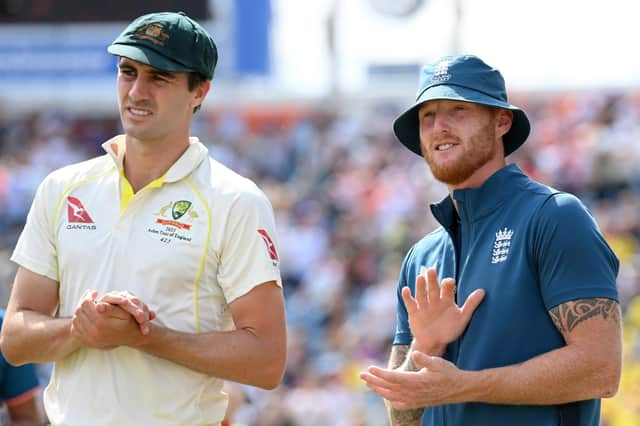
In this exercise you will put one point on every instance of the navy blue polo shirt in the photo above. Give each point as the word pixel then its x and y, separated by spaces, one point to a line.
pixel 15 381
pixel 530 248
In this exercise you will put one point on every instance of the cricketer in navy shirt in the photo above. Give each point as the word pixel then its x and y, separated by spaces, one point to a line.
pixel 508 313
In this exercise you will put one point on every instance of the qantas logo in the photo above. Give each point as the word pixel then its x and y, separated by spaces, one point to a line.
pixel 273 254
pixel 76 211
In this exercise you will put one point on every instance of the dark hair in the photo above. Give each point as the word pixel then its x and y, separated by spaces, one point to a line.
pixel 195 80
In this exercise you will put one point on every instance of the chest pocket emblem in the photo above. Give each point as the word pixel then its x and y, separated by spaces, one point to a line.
pixel 179 210
pixel 501 245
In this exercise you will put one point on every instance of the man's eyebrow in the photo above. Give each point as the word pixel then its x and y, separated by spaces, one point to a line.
pixel 166 74
pixel 124 64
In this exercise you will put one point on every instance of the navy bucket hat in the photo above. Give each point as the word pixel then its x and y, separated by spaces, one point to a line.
pixel 461 78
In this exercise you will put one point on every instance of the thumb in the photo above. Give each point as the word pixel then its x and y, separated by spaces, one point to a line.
pixel 431 363
pixel 472 302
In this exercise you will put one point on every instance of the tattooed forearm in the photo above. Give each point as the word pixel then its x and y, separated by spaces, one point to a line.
pixel 400 359
pixel 567 316
pixel 405 417
pixel 398 355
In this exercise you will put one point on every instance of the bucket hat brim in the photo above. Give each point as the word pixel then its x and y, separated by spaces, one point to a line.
pixel 406 126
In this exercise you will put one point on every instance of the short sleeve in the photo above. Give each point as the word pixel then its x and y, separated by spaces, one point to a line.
pixel 574 260
pixel 403 334
pixel 249 254
pixel 36 248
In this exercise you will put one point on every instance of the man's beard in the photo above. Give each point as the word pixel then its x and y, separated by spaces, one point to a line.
pixel 481 148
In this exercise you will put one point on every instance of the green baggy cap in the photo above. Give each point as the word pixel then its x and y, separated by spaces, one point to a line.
pixel 168 41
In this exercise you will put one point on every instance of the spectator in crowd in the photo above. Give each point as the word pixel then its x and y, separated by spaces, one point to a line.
pixel 19 390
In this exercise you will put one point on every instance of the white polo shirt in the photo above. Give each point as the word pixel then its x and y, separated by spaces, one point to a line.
pixel 187 244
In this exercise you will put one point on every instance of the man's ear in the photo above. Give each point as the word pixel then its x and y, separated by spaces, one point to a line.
pixel 200 93
pixel 504 120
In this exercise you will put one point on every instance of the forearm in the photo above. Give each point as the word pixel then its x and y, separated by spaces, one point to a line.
pixel 560 376
pixel 33 337
pixel 410 417
pixel 401 360
pixel 237 355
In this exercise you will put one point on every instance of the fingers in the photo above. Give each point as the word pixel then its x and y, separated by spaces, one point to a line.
pixel 134 306
pixel 387 377
pixel 409 301
pixel 421 289
pixel 433 289
pixel 374 381
pixel 129 303
pixel 431 363
pixel 472 302
pixel 379 386
pixel 401 394
pixel 86 306
pixel 448 289
pixel 114 311
pixel 87 299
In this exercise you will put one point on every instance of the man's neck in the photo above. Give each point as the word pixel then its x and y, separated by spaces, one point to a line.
pixel 478 178
pixel 145 162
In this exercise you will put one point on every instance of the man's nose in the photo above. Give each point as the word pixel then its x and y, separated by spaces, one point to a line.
pixel 139 89
pixel 440 122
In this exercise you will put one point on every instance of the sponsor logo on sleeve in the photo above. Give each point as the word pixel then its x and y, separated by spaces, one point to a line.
pixel 271 248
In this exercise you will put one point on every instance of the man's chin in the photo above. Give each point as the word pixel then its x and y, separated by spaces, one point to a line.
pixel 137 132
pixel 451 175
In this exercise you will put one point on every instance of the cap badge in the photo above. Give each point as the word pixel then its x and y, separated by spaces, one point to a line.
pixel 441 73
pixel 153 32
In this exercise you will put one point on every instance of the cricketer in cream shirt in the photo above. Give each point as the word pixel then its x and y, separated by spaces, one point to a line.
pixel 188 244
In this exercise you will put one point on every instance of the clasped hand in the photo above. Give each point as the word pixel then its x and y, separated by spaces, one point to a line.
pixel 115 319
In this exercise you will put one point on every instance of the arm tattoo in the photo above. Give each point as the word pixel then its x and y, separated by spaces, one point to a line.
pixel 567 316
pixel 399 359
pixel 405 417
pixel 398 355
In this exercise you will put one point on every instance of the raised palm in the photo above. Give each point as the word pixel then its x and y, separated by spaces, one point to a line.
pixel 434 317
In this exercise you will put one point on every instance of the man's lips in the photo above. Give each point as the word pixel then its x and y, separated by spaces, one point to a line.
pixel 139 112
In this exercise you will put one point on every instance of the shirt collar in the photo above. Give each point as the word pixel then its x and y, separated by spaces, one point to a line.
pixel 475 203
pixel 187 163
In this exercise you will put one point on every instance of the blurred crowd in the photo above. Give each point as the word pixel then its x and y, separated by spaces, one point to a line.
pixel 349 201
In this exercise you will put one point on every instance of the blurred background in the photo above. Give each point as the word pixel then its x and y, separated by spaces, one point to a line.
pixel 302 102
